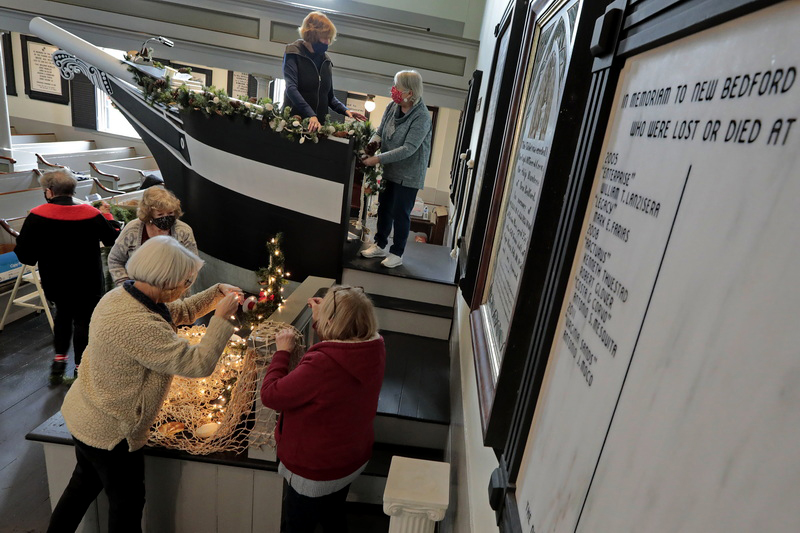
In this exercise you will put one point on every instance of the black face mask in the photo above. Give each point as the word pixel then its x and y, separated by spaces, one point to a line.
pixel 164 223
pixel 46 199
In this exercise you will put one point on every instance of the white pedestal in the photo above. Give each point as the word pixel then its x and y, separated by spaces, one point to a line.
pixel 417 494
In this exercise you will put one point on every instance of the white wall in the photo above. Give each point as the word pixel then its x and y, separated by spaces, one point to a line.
pixel 471 463
pixel 469 12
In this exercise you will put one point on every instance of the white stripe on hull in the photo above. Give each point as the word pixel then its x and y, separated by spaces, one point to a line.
pixel 297 192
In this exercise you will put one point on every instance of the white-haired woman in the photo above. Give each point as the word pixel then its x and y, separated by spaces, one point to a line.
pixel 405 137
pixel 127 369
pixel 159 213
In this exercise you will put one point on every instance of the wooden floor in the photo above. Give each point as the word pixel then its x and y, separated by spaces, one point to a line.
pixel 26 400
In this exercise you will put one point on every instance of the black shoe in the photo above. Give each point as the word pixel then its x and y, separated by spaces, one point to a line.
pixel 57 372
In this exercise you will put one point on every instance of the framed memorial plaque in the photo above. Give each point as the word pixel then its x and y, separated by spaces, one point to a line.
pixel 524 168
pixel 241 84
pixel 495 115
pixel 8 60
pixel 42 78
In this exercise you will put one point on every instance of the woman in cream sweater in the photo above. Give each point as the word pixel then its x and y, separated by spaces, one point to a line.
pixel 127 369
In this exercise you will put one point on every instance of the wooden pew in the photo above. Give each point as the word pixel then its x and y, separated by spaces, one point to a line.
pixel 18 203
pixel 123 174
pixel 18 181
pixel 21 138
pixel 24 155
pixel 80 161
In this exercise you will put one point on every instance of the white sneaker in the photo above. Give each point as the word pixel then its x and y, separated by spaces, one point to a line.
pixel 392 261
pixel 374 251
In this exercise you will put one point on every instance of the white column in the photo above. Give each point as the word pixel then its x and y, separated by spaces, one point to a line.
pixel 5 124
pixel 417 494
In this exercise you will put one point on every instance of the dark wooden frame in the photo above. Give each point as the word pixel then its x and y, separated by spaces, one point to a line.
pixel 498 92
pixel 434 111
pixel 8 60
pixel 627 28
pixel 209 74
pixel 457 169
pixel 63 98
pixel 497 398
pixel 465 122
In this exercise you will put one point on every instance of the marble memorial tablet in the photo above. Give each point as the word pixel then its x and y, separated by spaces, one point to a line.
pixel 44 75
pixel 671 401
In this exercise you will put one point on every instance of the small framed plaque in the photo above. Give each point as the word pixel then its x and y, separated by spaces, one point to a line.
pixel 42 78
pixel 240 84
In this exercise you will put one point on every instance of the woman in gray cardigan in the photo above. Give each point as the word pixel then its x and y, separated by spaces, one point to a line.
pixel 405 136
pixel 127 369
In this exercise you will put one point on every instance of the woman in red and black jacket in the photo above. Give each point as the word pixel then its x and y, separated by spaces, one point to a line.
pixel 63 237
pixel 327 406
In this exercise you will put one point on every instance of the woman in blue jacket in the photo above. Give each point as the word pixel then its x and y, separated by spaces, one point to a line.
pixel 405 137
pixel 308 72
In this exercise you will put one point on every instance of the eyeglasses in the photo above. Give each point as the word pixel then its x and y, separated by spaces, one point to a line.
pixel 186 284
pixel 339 290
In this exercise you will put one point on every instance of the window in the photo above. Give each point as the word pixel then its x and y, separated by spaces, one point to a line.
pixel 109 118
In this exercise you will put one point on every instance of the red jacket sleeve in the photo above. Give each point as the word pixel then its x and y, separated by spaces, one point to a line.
pixel 282 390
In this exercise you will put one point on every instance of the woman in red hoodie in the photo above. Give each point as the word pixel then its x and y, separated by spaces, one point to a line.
pixel 327 406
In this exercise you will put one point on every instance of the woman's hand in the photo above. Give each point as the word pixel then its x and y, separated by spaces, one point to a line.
pixel 226 289
pixel 227 306
pixel 314 304
pixel 371 161
pixel 313 124
pixel 356 115
pixel 284 340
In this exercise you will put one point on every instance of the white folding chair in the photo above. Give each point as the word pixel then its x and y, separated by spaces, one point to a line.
pixel 28 274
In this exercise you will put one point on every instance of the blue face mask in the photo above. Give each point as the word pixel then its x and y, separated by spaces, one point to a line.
pixel 319 48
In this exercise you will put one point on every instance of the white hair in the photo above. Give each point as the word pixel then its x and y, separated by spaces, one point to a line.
pixel 163 262
pixel 410 80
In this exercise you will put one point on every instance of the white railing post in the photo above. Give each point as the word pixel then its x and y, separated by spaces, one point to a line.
pixel 417 494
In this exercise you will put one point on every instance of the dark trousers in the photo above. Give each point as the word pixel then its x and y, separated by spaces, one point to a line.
pixel 394 209
pixel 71 323
pixel 302 514
pixel 119 472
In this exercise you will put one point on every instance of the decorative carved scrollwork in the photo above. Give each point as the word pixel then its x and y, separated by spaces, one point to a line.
pixel 69 65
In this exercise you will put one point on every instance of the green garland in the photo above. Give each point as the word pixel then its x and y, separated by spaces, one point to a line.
pixel 271 279
pixel 213 101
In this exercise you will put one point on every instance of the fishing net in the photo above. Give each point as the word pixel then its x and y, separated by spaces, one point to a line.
pixel 223 412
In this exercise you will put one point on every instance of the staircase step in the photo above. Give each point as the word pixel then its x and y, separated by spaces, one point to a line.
pixel 416 384
pixel 424 262
pixel 398 287
pixel 412 306
pixel 414 324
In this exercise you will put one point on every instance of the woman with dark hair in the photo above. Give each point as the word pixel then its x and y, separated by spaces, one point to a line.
pixel 308 72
